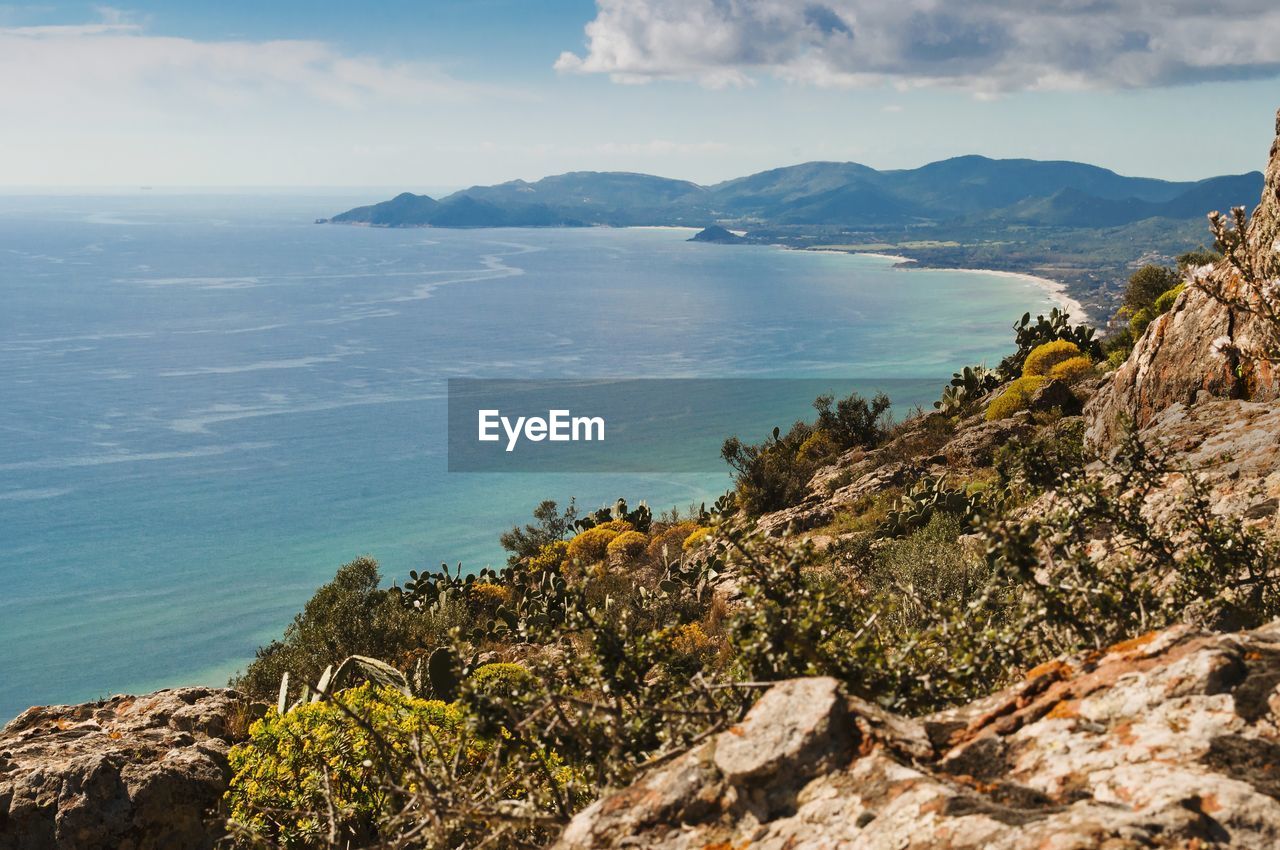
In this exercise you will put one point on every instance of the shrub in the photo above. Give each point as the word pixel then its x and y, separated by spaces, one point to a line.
pixel 627 545
pixel 489 595
pixel 1165 302
pixel 775 474
pixel 817 448
pixel 696 539
pixel 1072 370
pixel 552 525
pixel 1016 397
pixel 591 545
pixel 503 680
pixel 936 565
pixel 550 557
pixel 853 421
pixel 1200 257
pixel 1045 357
pixel 1139 321
pixel 671 539
pixel 617 526
pixel 350 615
pixel 1030 335
pixel 310 778
pixel 1041 462
pixel 1147 284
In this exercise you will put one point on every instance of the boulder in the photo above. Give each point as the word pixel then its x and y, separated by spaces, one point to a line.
pixel 975 446
pixel 126 773
pixel 1168 740
pixel 1054 396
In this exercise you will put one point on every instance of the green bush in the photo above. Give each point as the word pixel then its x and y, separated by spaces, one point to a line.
pixel 350 615
pixel 774 474
pixel 1044 357
pixel 1165 302
pixel 1040 462
pixel 1199 257
pixel 551 526
pixel 1147 284
pixel 935 564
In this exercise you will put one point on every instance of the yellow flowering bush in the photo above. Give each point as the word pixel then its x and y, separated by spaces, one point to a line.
pixel 591 545
pixel 1044 357
pixel 627 545
pixel 488 594
pixel 690 639
pixel 550 557
pixel 1016 397
pixel 295 766
pixel 504 680
pixel 671 538
pixel 696 539
pixel 1073 370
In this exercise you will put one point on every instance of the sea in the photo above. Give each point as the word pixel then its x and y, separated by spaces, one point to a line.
pixel 209 402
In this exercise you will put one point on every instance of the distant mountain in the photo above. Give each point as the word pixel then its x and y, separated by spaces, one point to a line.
pixel 716 233
pixel 970 189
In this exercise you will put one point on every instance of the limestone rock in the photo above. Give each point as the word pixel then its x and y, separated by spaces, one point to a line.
pixel 1231 446
pixel 1169 740
pixel 976 446
pixel 127 773
pixel 790 732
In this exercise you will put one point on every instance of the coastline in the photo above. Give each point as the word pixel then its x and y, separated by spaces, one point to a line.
pixel 1055 289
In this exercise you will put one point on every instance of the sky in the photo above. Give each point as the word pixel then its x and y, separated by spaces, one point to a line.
pixel 425 94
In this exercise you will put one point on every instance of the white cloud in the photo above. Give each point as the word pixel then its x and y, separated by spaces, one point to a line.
pixel 117 67
pixel 987 46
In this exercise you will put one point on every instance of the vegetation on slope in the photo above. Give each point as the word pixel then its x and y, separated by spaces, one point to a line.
pixel 616 639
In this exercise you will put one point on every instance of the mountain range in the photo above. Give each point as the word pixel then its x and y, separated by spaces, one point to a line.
pixel 962 190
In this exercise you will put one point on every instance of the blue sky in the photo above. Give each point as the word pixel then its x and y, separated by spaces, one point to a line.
pixel 443 93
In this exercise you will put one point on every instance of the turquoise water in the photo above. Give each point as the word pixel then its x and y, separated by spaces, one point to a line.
pixel 208 403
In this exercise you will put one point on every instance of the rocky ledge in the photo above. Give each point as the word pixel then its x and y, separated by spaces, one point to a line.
pixel 127 773
pixel 1169 740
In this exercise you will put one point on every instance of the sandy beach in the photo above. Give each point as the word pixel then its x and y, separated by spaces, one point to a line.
pixel 1056 290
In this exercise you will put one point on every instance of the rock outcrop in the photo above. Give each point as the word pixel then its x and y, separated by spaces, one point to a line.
pixel 1172 362
pixel 1232 447
pixel 127 773
pixel 1170 740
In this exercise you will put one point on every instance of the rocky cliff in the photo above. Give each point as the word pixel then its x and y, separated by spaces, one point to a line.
pixel 1172 362
pixel 128 773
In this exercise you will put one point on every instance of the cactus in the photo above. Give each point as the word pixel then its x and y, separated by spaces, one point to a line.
pixel 966 387
pixel 443 673
pixel 640 519
pixel 1028 335
pixel 918 505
